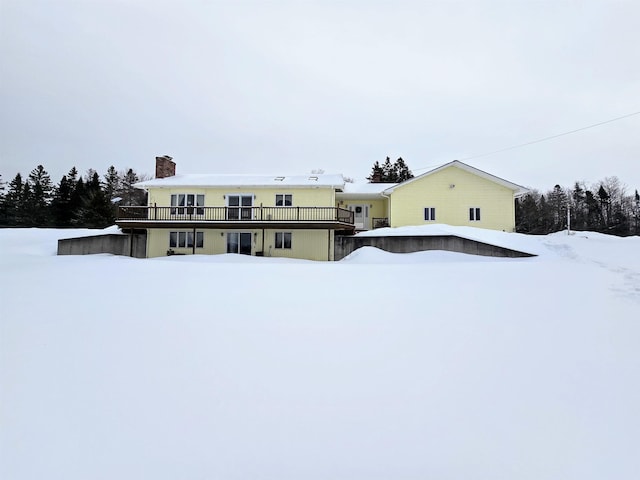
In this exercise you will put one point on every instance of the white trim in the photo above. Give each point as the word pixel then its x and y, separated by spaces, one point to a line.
pixel 234 194
pixel 284 198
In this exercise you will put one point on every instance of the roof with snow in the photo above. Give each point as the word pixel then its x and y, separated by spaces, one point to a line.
pixel 206 180
pixel 365 189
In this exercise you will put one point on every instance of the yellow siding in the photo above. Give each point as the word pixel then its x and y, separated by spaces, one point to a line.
pixel 452 203
pixel 158 242
pixel 305 244
pixel 377 207
pixel 215 197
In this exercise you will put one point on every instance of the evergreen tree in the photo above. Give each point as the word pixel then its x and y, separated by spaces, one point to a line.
pixel 578 210
pixel 527 215
pixel 27 207
pixel 12 202
pixel 61 210
pixel 111 183
pixel 545 216
pixel 594 212
pixel 131 195
pixel 72 178
pixel 37 202
pixel 402 171
pixel 376 173
pixel 603 196
pixel 96 210
pixel 388 172
pixel 76 201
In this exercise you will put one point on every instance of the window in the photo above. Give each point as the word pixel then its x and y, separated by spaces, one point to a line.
pixel 185 239
pixel 182 203
pixel 429 214
pixel 474 214
pixel 284 200
pixel 283 239
pixel 239 207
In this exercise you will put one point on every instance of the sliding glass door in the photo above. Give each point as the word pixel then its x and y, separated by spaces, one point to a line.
pixel 238 242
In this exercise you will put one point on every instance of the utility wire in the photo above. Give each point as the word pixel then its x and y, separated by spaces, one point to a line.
pixel 545 138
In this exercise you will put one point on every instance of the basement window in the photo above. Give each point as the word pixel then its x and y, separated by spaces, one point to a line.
pixel 185 239
pixel 283 239
pixel 474 214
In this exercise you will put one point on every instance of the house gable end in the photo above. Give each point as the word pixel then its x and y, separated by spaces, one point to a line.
pixel 517 189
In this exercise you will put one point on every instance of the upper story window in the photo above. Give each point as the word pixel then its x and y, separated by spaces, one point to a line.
pixel 239 207
pixel 189 203
pixel 284 200
pixel 474 214
pixel 429 214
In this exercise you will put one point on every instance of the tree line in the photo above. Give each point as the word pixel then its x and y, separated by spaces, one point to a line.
pixel 603 207
pixel 88 201
pixel 91 201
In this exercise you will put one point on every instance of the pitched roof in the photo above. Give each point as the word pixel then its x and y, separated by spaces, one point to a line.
pixel 205 180
pixel 517 189
pixel 365 189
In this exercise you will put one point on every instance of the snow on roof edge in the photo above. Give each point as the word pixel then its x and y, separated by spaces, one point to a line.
pixel 244 180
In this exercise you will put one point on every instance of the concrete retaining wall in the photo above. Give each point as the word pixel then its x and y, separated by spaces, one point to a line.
pixel 407 244
pixel 116 244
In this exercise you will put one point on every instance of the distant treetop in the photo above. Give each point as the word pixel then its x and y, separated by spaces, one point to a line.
pixel 388 172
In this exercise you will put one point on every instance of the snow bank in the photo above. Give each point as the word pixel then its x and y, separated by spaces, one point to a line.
pixel 426 365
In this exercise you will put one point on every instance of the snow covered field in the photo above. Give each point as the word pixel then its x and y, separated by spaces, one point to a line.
pixel 429 365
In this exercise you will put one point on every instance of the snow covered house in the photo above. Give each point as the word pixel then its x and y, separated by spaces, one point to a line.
pixel 299 216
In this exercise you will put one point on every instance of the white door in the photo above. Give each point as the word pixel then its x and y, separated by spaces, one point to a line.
pixel 360 216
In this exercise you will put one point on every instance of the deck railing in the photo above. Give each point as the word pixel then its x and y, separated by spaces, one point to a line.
pixel 380 222
pixel 246 214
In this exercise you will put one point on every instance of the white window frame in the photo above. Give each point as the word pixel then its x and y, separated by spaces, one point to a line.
pixel 284 199
pixel 189 203
pixel 241 212
pixel 474 214
pixel 281 243
pixel 184 239
pixel 429 214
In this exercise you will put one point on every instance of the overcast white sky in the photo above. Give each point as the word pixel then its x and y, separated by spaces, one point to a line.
pixel 285 87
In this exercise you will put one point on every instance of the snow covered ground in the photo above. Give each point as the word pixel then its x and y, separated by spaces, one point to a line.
pixel 381 366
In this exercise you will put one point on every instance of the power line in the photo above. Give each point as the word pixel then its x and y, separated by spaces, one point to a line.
pixel 545 138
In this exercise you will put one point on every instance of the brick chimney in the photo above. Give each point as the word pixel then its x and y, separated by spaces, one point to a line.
pixel 165 167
